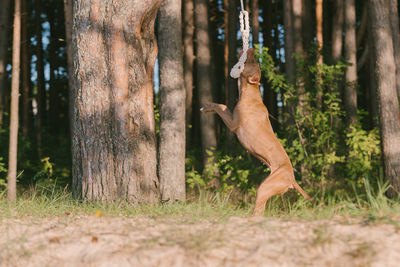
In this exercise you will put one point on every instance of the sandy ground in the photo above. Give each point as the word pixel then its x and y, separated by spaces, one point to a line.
pixel 145 241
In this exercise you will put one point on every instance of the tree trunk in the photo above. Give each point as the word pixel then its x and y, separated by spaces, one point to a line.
pixel 319 19
pixel 188 61
pixel 308 25
pixel 53 99
pixel 290 63
pixel 373 104
pixel 113 139
pixel 171 168
pixel 385 73
pixel 394 19
pixel 13 145
pixel 230 42
pixel 363 26
pixel 269 96
pixel 255 13
pixel 232 53
pixel 337 31
pixel 4 26
pixel 25 70
pixel 204 85
pixel 320 43
pixel 297 15
pixel 41 101
pixel 350 53
pixel 68 15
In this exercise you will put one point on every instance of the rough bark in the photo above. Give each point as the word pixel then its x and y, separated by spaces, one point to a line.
pixel 40 97
pixel 255 24
pixel 337 31
pixel 204 83
pixel 385 74
pixel 350 53
pixel 4 26
pixel 394 20
pixel 188 60
pixel 13 143
pixel 113 138
pixel 25 70
pixel 171 168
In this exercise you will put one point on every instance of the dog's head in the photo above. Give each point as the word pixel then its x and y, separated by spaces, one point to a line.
pixel 251 71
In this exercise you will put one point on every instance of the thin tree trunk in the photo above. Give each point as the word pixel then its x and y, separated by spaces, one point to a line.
pixel 171 147
pixel 41 101
pixel 350 95
pixel 232 52
pixel 25 70
pixel 68 15
pixel 255 24
pixel 13 144
pixel 363 26
pixel 337 31
pixel 373 88
pixel 269 96
pixel 188 60
pixel 226 48
pixel 320 43
pixel 290 63
pixel 297 9
pixel 319 19
pixel 53 100
pixel 4 26
pixel 231 90
pixel 308 25
pixel 204 84
pixel 385 73
pixel 113 139
pixel 394 19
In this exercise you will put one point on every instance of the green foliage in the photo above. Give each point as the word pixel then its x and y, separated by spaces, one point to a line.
pixel 363 159
pixel 226 174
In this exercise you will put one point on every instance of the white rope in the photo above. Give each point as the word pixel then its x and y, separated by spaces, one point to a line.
pixel 245 31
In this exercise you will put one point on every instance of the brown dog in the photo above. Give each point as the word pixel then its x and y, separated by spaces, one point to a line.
pixel 251 124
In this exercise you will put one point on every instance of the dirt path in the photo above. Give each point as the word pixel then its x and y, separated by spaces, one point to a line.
pixel 144 241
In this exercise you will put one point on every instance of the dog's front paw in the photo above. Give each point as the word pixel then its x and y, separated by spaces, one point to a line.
pixel 208 108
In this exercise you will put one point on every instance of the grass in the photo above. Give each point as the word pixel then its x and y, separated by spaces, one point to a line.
pixel 372 205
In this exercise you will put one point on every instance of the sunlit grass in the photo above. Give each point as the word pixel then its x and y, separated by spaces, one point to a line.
pixel 52 202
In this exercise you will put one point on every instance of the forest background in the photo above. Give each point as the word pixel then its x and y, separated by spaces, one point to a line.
pixel 330 81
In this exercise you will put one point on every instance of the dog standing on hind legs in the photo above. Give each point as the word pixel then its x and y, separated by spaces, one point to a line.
pixel 250 122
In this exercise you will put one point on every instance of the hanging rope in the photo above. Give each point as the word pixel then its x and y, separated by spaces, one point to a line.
pixel 245 31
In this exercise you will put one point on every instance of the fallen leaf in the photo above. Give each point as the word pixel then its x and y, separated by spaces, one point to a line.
pixel 98 213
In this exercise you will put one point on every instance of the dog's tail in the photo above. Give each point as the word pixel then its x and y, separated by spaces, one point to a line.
pixel 301 191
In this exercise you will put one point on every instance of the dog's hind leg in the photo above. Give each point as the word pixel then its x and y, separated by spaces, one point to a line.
pixel 277 183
